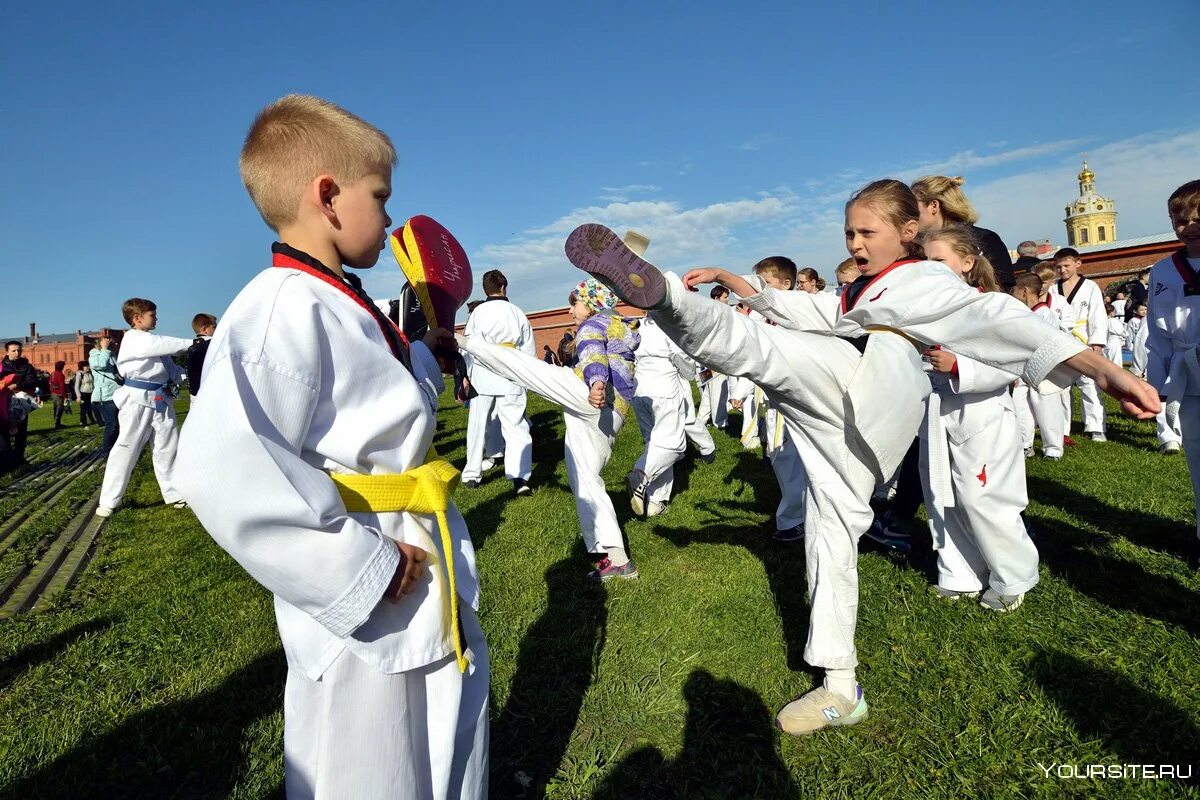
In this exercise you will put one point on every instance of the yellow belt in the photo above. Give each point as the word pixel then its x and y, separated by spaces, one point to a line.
pixel 424 490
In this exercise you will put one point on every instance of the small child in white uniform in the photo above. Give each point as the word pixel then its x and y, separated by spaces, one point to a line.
pixel 145 406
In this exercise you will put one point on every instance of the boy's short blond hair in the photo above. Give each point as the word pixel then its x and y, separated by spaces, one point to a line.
pixel 202 321
pixel 1046 272
pixel 848 269
pixel 299 137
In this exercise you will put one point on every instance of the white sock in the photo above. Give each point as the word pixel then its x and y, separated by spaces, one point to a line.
pixel 842 681
pixel 620 558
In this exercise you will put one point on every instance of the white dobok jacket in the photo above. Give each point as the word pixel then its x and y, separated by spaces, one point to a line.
pixel 299 381
pixel 498 321
pixel 146 356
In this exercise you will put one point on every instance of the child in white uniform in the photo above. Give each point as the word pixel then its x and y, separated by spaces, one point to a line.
pixel 1113 349
pixel 145 406
pixel 661 410
pixel 714 385
pixel 1043 411
pixel 1084 314
pixel 595 397
pixel 310 462
pixel 972 464
pixel 1173 322
pixel 829 388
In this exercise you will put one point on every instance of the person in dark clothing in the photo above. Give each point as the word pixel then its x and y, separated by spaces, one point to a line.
pixel 1138 294
pixel 25 380
pixel 58 391
pixel 942 202
pixel 204 326
pixel 1026 258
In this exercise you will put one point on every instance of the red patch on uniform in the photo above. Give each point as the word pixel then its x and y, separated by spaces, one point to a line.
pixel 982 476
pixel 876 297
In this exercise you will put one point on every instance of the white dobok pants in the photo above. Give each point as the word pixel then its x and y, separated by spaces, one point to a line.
pixel 514 427
pixel 1165 431
pixel 793 484
pixel 360 733
pixel 661 420
pixel 714 401
pixel 986 543
pixel 1043 411
pixel 137 424
pixel 806 376
pixel 695 423
pixel 1189 426
pixel 587 444
pixel 1093 407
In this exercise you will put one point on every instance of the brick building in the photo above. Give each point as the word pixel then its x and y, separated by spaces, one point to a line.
pixel 550 324
pixel 43 350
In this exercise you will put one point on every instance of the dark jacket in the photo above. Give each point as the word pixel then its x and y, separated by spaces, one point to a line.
pixel 995 251
pixel 1137 294
pixel 26 375
pixel 195 363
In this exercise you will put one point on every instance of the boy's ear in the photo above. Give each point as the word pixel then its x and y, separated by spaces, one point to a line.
pixel 322 190
pixel 909 231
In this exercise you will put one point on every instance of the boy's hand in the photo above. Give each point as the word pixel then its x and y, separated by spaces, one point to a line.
pixel 596 395
pixel 439 337
pixel 1138 398
pixel 410 570
pixel 737 404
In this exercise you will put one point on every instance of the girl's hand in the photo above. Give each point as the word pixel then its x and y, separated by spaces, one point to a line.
pixel 942 360
pixel 696 277
pixel 596 395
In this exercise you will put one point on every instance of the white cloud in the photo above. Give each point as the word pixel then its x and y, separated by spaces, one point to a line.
pixel 760 141
pixel 970 160
pixel 619 194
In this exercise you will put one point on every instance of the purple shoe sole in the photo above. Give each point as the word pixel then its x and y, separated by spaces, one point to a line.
pixel 599 252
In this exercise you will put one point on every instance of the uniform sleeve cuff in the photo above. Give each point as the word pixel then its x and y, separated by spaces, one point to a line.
pixel 760 302
pixel 1042 366
pixel 355 605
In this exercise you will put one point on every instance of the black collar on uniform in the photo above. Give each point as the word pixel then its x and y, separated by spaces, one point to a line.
pixel 492 297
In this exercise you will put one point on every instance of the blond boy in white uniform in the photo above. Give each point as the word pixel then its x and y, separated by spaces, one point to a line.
pixel 310 461
pixel 145 406
pixel 499 321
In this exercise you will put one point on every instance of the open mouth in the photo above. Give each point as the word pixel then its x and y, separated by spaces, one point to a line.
pixel 862 262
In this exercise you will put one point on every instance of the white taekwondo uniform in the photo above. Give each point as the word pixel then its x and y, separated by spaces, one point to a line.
pixel 1116 341
pixel 661 409
pixel 498 321
pixel 301 381
pixel 1045 412
pixel 973 476
pixel 1173 343
pixel 854 432
pixel 1084 317
pixel 144 410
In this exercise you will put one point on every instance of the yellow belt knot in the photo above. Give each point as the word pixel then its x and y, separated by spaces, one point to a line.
pixel 427 489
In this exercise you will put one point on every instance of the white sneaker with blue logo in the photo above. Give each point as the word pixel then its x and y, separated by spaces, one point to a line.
pixel 819 709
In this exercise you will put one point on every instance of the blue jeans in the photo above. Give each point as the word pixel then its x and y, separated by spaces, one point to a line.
pixel 107 410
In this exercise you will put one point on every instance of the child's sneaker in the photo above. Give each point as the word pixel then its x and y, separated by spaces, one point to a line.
pixel 605 570
pixel 1029 452
pixel 952 594
pixel 599 252
pixel 104 511
pixel 891 532
pixel 790 535
pixel 994 601
pixel 655 508
pixel 1097 436
pixel 708 458
pixel 180 504
pixel 521 487
pixel 637 493
pixel 1168 448
pixel 819 709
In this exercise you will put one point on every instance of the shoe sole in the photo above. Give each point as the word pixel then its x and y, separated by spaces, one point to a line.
pixel 599 252
pixel 524 491
pixel 841 722
pixel 787 539
pixel 957 596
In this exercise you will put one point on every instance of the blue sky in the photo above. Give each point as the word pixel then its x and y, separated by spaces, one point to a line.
pixel 724 133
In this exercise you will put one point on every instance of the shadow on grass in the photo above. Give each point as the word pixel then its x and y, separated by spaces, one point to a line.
pixel 555 666
pixel 1140 527
pixel 729 750
pixel 1142 728
pixel 1115 582
pixel 12 667
pixel 191 748
pixel 722 523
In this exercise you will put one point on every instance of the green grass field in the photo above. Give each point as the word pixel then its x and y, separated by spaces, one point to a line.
pixel 160 673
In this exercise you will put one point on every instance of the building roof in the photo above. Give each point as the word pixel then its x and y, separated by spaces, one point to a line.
pixel 1120 244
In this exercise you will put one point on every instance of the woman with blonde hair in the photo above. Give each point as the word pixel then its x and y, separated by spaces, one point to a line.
pixel 942 202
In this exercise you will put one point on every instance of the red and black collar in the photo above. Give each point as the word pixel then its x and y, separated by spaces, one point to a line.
pixel 1184 267
pixel 1039 304
pixel 860 284
pixel 289 257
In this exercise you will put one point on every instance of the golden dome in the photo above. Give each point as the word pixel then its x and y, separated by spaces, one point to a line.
pixel 1086 176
